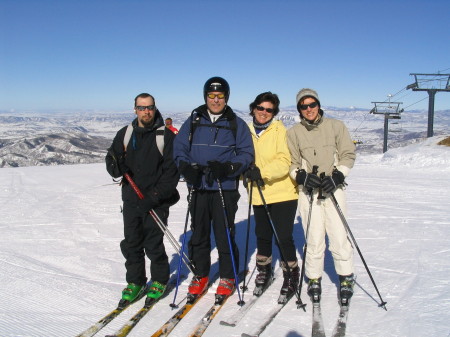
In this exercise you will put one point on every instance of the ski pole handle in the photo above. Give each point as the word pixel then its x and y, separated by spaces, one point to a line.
pixel 315 169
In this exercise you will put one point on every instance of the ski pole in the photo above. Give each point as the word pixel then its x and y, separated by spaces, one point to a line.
pixel 347 228
pixel 172 240
pixel 283 256
pixel 161 225
pixel 244 286
pixel 305 248
pixel 191 191
pixel 228 230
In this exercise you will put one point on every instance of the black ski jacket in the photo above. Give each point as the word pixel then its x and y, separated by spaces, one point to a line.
pixel 156 175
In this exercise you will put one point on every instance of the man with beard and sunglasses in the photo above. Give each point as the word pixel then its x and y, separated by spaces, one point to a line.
pixel 322 155
pixel 136 151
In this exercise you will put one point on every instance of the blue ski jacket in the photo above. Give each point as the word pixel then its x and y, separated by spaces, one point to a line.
pixel 228 139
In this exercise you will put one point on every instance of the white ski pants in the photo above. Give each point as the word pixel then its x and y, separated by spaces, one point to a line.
pixel 325 220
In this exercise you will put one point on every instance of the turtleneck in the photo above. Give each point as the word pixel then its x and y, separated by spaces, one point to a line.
pixel 260 127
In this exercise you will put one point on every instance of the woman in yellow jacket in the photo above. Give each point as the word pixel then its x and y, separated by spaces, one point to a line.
pixel 271 171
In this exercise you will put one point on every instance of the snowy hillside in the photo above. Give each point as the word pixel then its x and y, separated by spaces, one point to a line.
pixel 61 268
pixel 57 138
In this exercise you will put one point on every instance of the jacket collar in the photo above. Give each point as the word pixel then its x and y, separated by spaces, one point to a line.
pixel 228 113
pixel 314 124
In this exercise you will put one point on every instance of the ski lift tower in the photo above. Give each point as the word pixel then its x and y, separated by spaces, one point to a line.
pixel 390 110
pixel 431 83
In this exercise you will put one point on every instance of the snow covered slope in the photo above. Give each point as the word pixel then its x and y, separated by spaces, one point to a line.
pixel 61 268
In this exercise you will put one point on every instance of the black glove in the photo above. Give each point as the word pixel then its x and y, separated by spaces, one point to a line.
pixel 254 174
pixel 115 163
pixel 192 174
pixel 220 170
pixel 329 183
pixel 308 180
pixel 123 168
pixel 149 202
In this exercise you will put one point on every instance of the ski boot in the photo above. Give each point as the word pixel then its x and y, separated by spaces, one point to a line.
pixel 265 274
pixel 197 287
pixel 290 283
pixel 154 293
pixel 346 288
pixel 315 289
pixel 225 289
pixel 130 294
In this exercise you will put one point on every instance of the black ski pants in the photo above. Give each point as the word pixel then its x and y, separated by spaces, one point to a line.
pixel 207 211
pixel 142 235
pixel 283 217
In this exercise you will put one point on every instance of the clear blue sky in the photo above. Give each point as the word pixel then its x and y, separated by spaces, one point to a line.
pixel 92 54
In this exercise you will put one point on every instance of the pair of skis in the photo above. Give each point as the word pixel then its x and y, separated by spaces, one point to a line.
pixel 318 329
pixel 167 327
pixel 128 326
pixel 206 320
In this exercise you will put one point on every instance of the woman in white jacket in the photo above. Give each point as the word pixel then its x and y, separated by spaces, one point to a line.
pixel 323 143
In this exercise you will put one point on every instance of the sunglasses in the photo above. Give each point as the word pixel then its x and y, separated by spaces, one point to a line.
pixel 219 96
pixel 148 107
pixel 261 108
pixel 311 105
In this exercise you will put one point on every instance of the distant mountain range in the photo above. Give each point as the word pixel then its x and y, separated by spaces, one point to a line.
pixel 60 138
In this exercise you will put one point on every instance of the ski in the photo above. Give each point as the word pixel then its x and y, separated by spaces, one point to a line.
pixel 239 314
pixel 92 330
pixel 133 321
pixel 219 302
pixel 167 327
pixel 341 323
pixel 258 329
pixel 208 317
pixel 318 329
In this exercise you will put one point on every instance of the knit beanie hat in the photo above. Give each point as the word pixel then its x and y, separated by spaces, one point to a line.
pixel 306 92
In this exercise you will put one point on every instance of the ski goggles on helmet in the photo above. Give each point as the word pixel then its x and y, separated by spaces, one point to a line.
pixel 219 96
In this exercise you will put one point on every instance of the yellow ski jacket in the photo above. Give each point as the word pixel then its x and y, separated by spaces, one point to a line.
pixel 273 159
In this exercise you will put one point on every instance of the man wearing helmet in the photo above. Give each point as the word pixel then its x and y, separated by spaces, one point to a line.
pixel 212 149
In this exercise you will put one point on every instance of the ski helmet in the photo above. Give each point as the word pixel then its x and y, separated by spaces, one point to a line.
pixel 216 84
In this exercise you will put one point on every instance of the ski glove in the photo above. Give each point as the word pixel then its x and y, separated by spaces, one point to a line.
pixel 308 180
pixel 191 173
pixel 254 174
pixel 149 202
pixel 220 170
pixel 115 163
pixel 329 183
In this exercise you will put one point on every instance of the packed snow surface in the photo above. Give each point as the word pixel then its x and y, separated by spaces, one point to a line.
pixel 61 268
